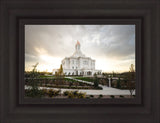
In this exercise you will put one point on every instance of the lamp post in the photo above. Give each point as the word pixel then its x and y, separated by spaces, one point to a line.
pixel 109 81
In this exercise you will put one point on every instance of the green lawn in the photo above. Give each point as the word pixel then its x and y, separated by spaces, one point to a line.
pixel 44 76
pixel 85 79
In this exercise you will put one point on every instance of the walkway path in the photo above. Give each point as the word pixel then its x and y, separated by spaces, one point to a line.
pixel 105 89
pixel 91 83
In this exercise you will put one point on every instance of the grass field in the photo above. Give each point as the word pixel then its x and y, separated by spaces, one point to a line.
pixel 44 76
pixel 85 79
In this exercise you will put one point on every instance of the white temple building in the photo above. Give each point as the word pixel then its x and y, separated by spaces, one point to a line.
pixel 78 64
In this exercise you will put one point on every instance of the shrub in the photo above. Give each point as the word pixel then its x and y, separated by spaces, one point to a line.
pixel 34 92
pixel 50 93
pixel 99 88
pixel 92 96
pixel 118 83
pixel 112 96
pixel 96 83
pixel 81 95
pixel 81 84
pixel 100 96
pixel 44 91
pixel 121 96
pixel 70 95
pixel 74 94
pixel 65 93
pixel 56 92
pixel 70 84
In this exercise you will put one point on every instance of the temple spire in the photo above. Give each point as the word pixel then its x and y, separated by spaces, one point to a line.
pixel 77 46
pixel 78 52
pixel 78 42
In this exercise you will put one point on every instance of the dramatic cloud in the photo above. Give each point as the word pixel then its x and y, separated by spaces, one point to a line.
pixel 112 46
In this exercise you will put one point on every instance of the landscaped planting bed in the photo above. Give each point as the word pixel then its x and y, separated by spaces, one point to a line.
pixel 52 93
pixel 59 83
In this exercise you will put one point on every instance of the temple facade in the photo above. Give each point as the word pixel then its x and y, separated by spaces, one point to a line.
pixel 79 64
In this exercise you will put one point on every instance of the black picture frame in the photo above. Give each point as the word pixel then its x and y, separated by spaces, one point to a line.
pixel 144 109
pixel 25 21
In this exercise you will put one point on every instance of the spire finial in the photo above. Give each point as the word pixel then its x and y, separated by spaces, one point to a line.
pixel 78 42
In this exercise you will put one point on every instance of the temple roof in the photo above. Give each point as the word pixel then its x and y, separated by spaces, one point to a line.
pixel 78 54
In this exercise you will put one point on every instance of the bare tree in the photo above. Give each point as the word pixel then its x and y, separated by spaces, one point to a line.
pixel 131 80
pixel 132 68
pixel 59 76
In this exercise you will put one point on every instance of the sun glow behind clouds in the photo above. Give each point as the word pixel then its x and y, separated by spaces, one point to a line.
pixel 47 63
pixel 110 65
pixel 50 63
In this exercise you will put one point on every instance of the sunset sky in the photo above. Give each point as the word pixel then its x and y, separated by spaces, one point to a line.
pixel 112 46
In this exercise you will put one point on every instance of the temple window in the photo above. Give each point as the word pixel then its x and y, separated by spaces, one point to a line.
pixel 85 62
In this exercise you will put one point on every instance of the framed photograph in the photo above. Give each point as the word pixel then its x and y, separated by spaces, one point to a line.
pixel 80 62
pixel 100 64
